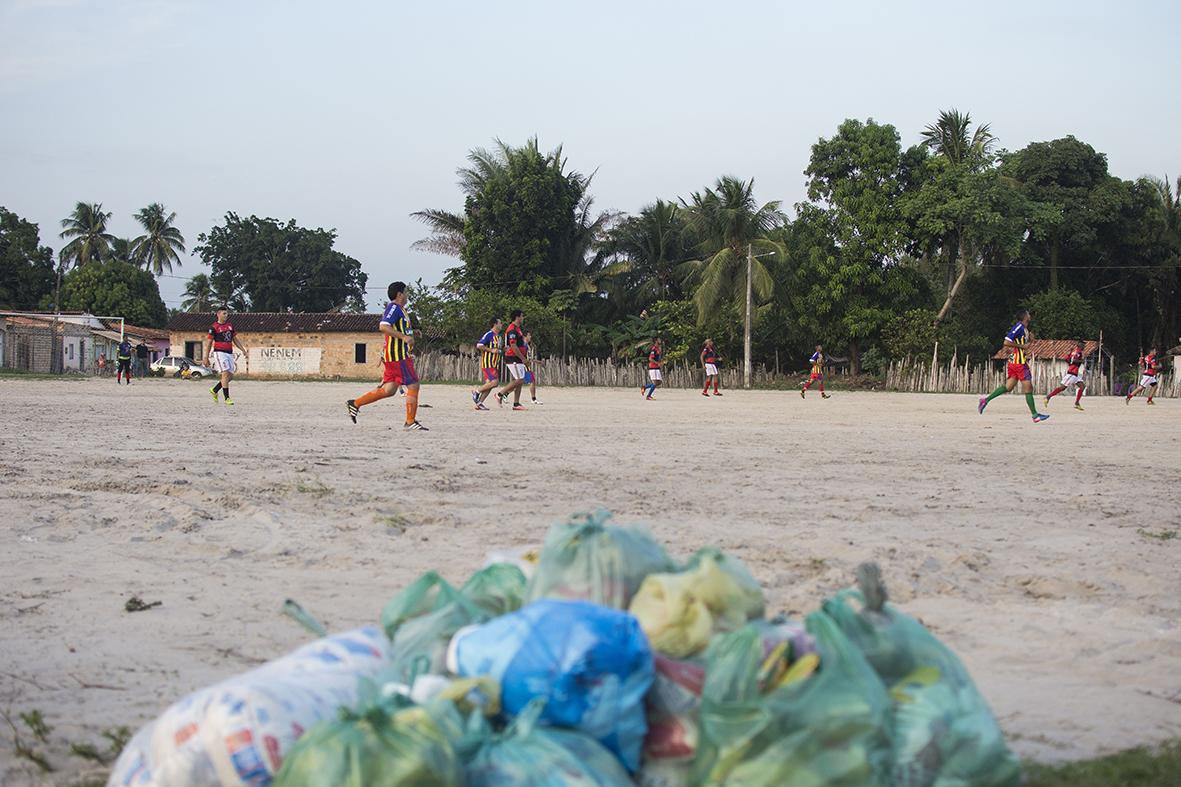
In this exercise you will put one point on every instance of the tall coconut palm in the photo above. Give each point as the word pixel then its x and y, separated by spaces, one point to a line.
pixel 160 245
pixel 649 247
pixel 952 137
pixel 447 226
pixel 86 230
pixel 198 295
pixel 728 223
pixel 121 250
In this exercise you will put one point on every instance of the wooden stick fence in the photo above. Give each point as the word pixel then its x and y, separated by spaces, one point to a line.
pixel 922 376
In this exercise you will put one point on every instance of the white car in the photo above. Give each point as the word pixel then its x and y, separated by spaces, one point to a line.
pixel 173 365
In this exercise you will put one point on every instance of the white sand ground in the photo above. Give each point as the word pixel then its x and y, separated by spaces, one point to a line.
pixel 1027 548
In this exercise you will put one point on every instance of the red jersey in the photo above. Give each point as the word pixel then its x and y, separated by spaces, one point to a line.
pixel 223 337
pixel 709 355
pixel 654 357
pixel 1151 367
pixel 1074 360
pixel 514 345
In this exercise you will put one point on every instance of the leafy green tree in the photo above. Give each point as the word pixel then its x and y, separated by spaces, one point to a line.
pixel 198 295
pixel 912 333
pixel 121 251
pixel 115 289
pixel 86 231
pixel 849 282
pixel 26 267
pixel 648 248
pixel 952 138
pixel 162 243
pixel 281 267
pixel 1064 314
pixel 727 224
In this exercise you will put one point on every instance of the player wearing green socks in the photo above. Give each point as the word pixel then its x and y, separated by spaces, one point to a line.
pixel 1016 341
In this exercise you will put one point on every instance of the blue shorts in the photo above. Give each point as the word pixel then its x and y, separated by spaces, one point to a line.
pixel 528 378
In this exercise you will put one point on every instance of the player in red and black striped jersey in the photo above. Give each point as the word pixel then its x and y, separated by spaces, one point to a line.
pixel 1073 376
pixel 709 362
pixel 655 362
pixel 1149 368
pixel 220 341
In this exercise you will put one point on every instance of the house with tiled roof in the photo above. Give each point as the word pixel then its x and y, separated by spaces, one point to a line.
pixel 1048 359
pixel 290 344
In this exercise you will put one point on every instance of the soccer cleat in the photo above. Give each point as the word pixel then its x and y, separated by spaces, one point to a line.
pixel 982 405
pixel 649 397
pixel 538 401
pixel 500 399
pixel 1078 407
pixel 518 406
pixel 1127 400
pixel 475 397
pixel 229 401
pixel 212 391
pixel 705 393
pixel 716 393
pixel 1037 419
pixel 1151 402
pixel 1047 402
pixel 824 395
pixel 414 426
pixel 803 391
pixel 480 406
pixel 353 409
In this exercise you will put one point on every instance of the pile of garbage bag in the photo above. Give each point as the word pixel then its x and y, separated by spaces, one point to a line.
pixel 598 660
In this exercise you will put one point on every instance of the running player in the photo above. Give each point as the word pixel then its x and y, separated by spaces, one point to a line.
pixel 489 349
pixel 399 366
pixel 219 353
pixel 709 362
pixel 655 362
pixel 817 375
pixel 1073 376
pixel 1016 340
pixel 123 356
pixel 1150 368
pixel 516 355
pixel 530 374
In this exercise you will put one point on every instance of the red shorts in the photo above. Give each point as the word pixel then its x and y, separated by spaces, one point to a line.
pixel 815 377
pixel 1020 371
pixel 491 375
pixel 400 372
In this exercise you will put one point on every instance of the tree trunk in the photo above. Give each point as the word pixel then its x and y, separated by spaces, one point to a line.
pixel 854 357
pixel 955 287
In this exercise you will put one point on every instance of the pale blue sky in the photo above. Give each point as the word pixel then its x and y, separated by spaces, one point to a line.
pixel 353 114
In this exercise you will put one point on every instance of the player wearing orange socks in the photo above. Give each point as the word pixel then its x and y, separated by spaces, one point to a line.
pixel 399 366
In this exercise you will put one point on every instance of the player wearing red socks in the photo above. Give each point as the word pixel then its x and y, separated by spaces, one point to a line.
pixel 1073 376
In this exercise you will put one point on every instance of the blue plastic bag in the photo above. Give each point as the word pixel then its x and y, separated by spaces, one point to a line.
pixel 591 663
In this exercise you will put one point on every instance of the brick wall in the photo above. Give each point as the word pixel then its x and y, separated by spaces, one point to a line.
pixel 337 350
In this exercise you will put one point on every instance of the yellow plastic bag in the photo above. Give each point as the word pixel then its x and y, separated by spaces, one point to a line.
pixel 681 612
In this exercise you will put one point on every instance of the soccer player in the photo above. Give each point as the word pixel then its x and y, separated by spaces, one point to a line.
pixel 516 355
pixel 1073 376
pixel 1150 367
pixel 219 353
pixel 489 349
pixel 655 361
pixel 1016 340
pixel 398 365
pixel 709 362
pixel 123 356
pixel 530 375
pixel 817 375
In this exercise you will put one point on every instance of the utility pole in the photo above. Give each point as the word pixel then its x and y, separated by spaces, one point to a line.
pixel 746 322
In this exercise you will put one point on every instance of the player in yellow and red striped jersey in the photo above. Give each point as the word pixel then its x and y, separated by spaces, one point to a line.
pixel 1017 342
pixel 399 366
pixel 489 349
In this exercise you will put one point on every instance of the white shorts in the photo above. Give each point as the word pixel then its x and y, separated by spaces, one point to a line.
pixel 654 375
pixel 223 362
pixel 1071 379
pixel 1147 381
pixel 711 370
pixel 517 370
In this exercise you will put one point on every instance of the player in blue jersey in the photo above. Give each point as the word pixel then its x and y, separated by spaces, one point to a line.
pixel 489 349
pixel 1017 342
pixel 399 366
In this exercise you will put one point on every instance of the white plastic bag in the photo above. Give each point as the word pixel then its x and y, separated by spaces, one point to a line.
pixel 236 733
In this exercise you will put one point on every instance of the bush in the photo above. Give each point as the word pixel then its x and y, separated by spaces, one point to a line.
pixel 1063 314
pixel 912 333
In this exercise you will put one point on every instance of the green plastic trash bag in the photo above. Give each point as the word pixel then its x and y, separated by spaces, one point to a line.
pixel 420 621
pixel 830 729
pixel 529 755
pixel 944 732
pixel 587 558
pixel 388 744
pixel 497 589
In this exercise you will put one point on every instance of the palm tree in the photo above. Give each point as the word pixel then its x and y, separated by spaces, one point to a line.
pixel 198 295
pixel 951 137
pixel 158 248
pixel 728 224
pixel 651 245
pixel 86 230
pixel 230 295
pixel 121 251
pixel 447 226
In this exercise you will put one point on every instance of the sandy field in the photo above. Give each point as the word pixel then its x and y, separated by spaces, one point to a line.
pixel 1048 556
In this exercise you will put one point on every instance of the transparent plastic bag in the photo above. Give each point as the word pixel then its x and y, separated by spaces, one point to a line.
pixel 420 621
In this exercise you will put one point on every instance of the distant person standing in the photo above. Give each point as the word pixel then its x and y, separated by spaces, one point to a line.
pixel 398 365
pixel 817 376
pixel 655 363
pixel 1017 342
pixel 123 359
pixel 489 350
pixel 516 355
pixel 531 372
pixel 141 359
pixel 709 362
pixel 1150 367
pixel 219 353
pixel 1073 376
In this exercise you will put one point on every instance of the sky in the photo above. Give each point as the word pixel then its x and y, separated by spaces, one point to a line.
pixel 352 115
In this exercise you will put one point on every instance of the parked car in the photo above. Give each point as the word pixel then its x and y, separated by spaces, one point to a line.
pixel 176 366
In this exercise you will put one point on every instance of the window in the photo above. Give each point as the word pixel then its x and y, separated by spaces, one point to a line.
pixel 359 352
